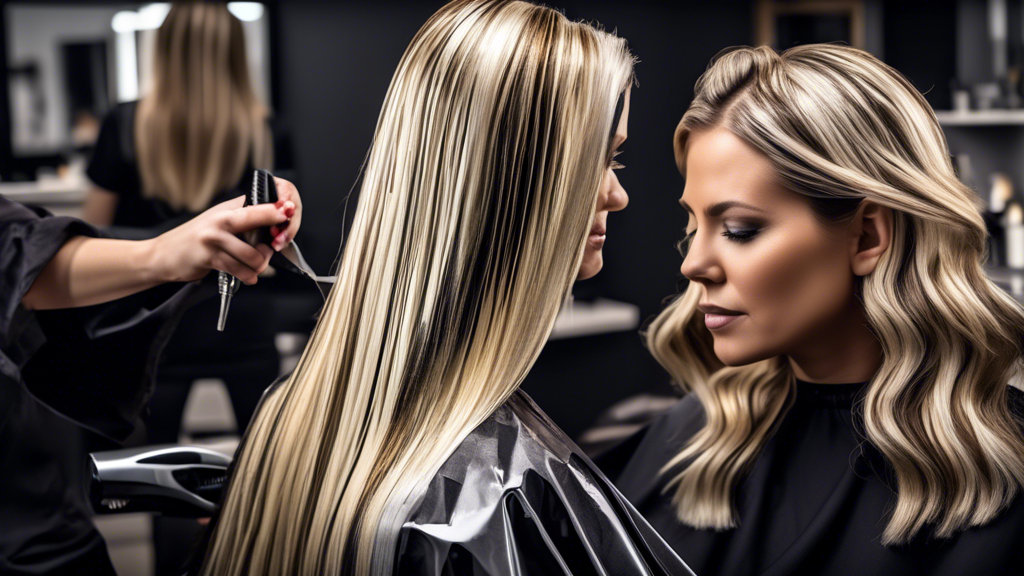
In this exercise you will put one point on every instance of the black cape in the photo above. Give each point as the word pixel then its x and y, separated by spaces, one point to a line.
pixel 60 371
pixel 815 501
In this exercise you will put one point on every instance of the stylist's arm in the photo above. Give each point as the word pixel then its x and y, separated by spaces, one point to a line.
pixel 87 271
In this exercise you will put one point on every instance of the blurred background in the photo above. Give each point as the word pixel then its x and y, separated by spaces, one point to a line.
pixel 323 69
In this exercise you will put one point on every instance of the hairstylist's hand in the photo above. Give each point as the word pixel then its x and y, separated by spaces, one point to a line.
pixel 210 242
pixel 285 233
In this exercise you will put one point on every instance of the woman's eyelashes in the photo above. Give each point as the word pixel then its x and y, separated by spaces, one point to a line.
pixel 613 164
pixel 738 235
pixel 741 235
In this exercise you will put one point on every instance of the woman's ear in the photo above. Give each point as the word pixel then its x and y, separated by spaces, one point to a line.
pixel 872 234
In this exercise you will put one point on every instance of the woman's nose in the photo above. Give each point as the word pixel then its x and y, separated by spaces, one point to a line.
pixel 616 199
pixel 699 265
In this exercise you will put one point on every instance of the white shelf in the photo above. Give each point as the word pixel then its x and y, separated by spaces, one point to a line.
pixel 980 118
pixel 46 191
pixel 598 317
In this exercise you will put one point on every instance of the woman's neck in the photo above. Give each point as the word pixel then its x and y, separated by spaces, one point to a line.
pixel 845 351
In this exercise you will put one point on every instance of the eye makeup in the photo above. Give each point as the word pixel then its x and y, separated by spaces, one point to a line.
pixel 738 235
pixel 741 235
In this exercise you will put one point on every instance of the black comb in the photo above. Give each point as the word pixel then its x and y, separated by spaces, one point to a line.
pixel 263 191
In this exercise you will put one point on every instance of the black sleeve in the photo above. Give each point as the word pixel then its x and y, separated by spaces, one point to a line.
pixel 94 365
pixel 98 364
pixel 110 167
pixel 28 241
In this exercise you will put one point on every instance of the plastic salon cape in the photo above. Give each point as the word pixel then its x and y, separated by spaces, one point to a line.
pixel 518 497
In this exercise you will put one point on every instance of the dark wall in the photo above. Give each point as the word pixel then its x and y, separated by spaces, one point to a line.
pixel 6 155
pixel 333 65
pixel 920 42
pixel 576 378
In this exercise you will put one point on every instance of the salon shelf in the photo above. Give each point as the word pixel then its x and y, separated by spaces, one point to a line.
pixel 980 118
pixel 52 191
pixel 1009 279
pixel 59 197
pixel 601 316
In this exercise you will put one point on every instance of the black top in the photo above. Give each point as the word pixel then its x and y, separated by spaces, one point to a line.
pixel 61 369
pixel 814 502
pixel 115 168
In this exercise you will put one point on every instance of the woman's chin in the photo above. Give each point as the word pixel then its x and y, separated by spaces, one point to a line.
pixel 593 261
pixel 734 354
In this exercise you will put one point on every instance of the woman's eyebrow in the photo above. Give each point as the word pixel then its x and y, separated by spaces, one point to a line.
pixel 719 208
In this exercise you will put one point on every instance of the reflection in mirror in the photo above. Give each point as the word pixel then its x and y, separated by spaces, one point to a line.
pixel 67 66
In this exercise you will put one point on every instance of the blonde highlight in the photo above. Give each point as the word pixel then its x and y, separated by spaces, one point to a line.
pixel 473 212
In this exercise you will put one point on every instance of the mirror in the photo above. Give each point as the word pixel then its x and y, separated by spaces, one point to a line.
pixel 68 65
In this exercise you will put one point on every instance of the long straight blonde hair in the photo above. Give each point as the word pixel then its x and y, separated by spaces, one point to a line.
pixel 201 121
pixel 475 204
pixel 839 126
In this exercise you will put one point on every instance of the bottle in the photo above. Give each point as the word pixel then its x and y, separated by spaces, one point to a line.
pixel 1014 224
pixel 993 211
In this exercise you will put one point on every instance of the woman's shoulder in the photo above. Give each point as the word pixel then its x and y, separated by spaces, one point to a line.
pixel 119 125
pixel 515 438
pixel 113 164
pixel 675 426
pixel 636 463
pixel 518 489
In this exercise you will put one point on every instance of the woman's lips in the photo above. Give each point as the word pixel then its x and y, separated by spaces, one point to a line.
pixel 597 237
pixel 716 321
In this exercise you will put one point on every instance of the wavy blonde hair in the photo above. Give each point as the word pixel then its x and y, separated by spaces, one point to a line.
pixel 839 126
pixel 201 121
pixel 473 213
